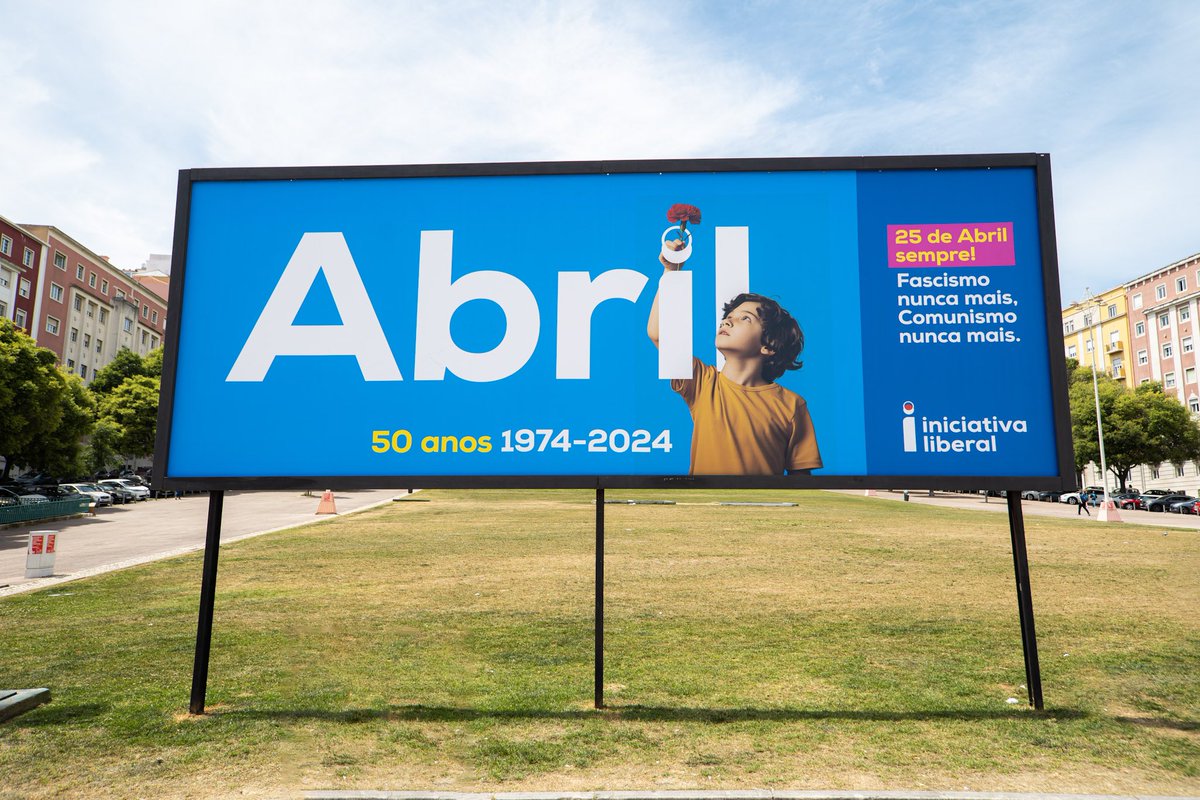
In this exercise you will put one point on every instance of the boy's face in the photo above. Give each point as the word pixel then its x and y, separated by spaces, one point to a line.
pixel 740 333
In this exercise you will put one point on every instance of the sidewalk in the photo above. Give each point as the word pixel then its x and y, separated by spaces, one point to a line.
pixel 749 794
pixel 126 535
pixel 1030 508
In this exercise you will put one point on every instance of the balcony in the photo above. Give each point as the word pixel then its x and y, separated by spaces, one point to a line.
pixel 1115 347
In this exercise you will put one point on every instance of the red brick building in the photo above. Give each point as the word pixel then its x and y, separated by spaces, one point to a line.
pixel 21 256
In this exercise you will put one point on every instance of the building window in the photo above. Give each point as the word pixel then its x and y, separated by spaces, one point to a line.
pixel 87 340
pixel 1114 339
pixel 1194 404
pixel 71 364
pixel 1169 380
pixel 74 334
pixel 1185 314
pixel 153 342
pixel 52 325
pixel 1087 320
pixel 127 325
pixel 1181 284
pixel 145 311
pixel 1168 350
pixel 1088 345
pixel 104 287
pixel 154 317
pixel 19 318
pixel 1178 471
pixel 91 312
pixel 99 345
pixel 78 303
pixel 1186 344
pixel 23 288
pixel 1137 300
pixel 92 280
pixel 60 260
pixel 120 295
pixel 145 336
pixel 6 245
pixel 79 271
pixel 1116 366
pixel 1189 375
pixel 56 293
pixel 3 310
pixel 1143 358
pixel 104 316
pixel 1112 310
pixel 1139 329
pixel 1069 327
pixel 4 282
pixel 27 258
pixel 1160 292
pixel 1071 351
pixel 1154 472
pixel 1164 321
pixel 83 370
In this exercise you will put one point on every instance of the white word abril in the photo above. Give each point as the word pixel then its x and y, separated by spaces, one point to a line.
pixel 359 334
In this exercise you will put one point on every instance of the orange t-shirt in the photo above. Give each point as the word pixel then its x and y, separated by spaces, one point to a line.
pixel 746 430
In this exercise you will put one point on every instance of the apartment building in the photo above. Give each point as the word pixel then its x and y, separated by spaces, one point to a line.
pixel 1096 331
pixel 1163 336
pixel 21 256
pixel 86 309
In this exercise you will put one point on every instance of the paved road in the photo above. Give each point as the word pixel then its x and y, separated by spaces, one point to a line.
pixel 125 535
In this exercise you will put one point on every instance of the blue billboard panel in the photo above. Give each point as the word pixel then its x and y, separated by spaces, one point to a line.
pixel 566 324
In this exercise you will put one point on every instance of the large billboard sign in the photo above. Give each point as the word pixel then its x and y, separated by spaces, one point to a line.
pixel 883 322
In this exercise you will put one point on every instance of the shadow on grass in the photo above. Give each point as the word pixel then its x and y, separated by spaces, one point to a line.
pixel 55 713
pixel 420 713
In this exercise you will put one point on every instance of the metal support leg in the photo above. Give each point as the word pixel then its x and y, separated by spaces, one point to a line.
pixel 208 592
pixel 599 658
pixel 1016 527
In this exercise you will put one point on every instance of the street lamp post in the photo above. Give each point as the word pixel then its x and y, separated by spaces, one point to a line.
pixel 1106 512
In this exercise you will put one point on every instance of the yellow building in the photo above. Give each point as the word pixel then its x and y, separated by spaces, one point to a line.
pixel 1097 329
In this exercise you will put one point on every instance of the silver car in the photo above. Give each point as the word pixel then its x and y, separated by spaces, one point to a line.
pixel 98 495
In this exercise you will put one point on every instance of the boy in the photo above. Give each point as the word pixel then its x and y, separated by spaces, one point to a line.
pixel 743 423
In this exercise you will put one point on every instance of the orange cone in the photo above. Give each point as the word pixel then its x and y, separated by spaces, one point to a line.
pixel 326 505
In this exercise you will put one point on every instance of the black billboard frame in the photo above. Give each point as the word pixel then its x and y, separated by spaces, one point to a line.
pixel 1012 485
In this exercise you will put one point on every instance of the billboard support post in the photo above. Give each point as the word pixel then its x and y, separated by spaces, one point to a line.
pixel 599 658
pixel 208 592
pixel 1016 527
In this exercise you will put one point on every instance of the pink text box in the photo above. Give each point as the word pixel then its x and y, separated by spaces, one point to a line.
pixel 956 244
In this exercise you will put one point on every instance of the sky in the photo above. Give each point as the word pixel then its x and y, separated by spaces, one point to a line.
pixel 103 102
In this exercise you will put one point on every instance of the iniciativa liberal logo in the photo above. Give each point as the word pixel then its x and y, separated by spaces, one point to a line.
pixel 955 434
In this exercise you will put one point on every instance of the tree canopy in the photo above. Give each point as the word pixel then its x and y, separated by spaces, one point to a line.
pixel 1142 426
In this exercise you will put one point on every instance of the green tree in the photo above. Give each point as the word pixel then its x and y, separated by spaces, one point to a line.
pixel 1145 426
pixel 59 451
pixel 35 398
pixel 133 406
pixel 103 451
pixel 126 364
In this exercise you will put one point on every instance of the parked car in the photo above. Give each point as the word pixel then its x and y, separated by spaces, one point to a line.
pixel 1049 497
pixel 1070 497
pixel 1159 492
pixel 1029 494
pixel 138 492
pixel 1136 503
pixel 17 495
pixel 1183 506
pixel 1162 502
pixel 98 495
pixel 119 493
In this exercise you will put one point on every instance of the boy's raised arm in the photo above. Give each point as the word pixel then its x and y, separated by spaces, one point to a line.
pixel 652 322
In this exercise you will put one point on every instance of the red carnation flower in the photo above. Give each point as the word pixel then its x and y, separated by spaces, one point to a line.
pixel 683 213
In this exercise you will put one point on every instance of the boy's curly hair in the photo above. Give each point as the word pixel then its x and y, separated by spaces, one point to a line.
pixel 781 333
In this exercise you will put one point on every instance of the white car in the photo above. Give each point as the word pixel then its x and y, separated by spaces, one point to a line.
pixel 98 495
pixel 136 489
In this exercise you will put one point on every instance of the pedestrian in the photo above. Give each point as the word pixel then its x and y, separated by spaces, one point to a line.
pixel 1082 505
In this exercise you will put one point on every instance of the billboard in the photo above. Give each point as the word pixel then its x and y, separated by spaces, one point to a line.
pixel 885 322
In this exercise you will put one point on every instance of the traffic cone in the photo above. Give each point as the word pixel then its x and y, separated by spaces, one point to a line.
pixel 1108 512
pixel 326 505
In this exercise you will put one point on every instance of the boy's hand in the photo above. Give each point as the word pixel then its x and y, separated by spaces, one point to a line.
pixel 674 244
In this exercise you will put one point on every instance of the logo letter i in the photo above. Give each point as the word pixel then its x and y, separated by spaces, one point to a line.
pixel 909 426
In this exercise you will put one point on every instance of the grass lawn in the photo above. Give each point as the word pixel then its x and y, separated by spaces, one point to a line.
pixel 445 643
